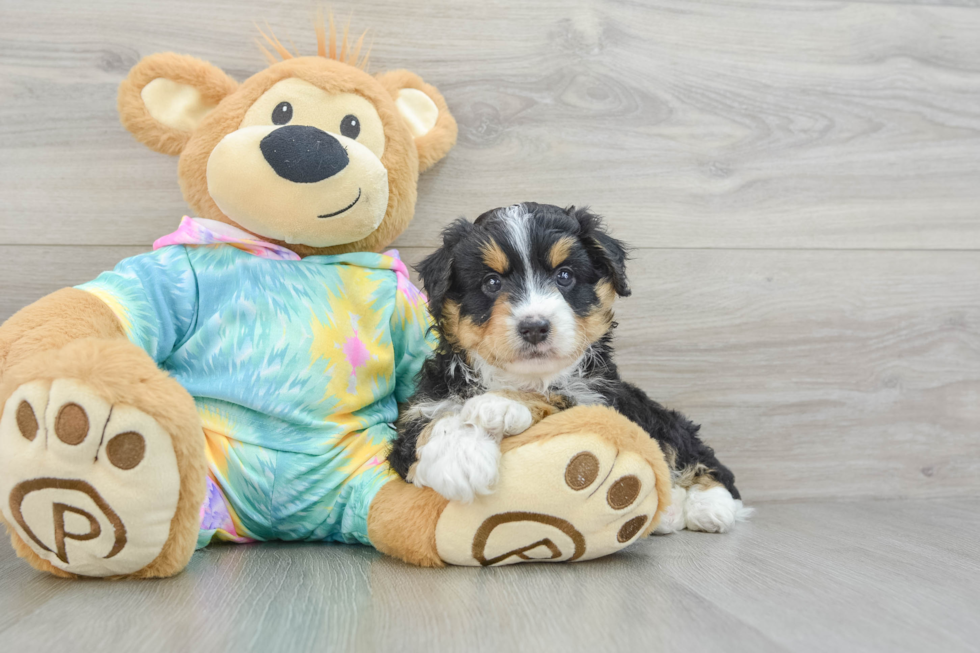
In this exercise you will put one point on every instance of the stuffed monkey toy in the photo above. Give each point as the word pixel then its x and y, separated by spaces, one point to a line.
pixel 240 382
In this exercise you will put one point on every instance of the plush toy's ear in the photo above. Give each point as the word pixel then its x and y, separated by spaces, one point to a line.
pixel 165 96
pixel 436 271
pixel 424 110
pixel 608 252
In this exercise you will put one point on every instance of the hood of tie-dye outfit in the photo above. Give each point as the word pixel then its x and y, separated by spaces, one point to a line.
pixel 201 231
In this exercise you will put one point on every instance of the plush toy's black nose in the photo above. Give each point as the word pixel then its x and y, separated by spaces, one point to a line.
pixel 534 330
pixel 303 154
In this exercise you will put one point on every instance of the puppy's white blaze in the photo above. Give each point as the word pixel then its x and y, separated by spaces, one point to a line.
pixel 712 510
pixel 459 461
pixel 517 221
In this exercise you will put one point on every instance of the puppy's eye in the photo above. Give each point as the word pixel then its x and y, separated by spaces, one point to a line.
pixel 492 284
pixel 350 126
pixel 282 114
pixel 565 278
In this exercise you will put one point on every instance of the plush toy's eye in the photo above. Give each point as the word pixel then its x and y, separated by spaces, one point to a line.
pixel 282 114
pixel 492 284
pixel 564 277
pixel 350 126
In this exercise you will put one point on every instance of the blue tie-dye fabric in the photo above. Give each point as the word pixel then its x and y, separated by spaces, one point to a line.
pixel 297 368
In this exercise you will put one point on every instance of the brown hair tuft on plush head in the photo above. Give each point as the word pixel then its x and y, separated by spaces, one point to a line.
pixel 325 46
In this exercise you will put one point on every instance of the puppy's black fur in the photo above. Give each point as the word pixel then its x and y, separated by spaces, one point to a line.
pixel 469 312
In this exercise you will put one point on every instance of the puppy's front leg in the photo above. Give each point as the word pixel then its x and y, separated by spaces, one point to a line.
pixel 506 413
pixel 456 459
pixel 457 454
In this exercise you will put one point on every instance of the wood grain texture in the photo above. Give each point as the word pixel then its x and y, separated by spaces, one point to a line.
pixel 813 373
pixel 29 273
pixel 730 123
pixel 861 576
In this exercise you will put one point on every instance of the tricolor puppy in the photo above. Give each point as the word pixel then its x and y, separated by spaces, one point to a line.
pixel 522 301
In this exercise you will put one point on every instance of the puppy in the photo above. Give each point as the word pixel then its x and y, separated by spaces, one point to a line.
pixel 522 302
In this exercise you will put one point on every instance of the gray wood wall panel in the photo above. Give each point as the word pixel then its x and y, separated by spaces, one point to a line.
pixel 718 124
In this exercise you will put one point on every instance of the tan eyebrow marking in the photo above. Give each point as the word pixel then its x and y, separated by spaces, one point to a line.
pixel 495 258
pixel 560 251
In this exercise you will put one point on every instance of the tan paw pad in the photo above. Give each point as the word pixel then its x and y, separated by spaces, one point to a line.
pixel 90 487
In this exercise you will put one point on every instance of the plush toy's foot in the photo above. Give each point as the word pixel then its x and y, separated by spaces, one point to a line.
pixel 90 484
pixel 581 484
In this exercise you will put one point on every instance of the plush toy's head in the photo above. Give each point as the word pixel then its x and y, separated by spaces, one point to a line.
pixel 312 153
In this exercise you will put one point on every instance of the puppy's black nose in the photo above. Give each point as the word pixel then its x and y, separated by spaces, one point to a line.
pixel 534 330
pixel 303 154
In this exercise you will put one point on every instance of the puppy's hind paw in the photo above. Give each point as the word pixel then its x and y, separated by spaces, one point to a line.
pixel 712 510
pixel 673 519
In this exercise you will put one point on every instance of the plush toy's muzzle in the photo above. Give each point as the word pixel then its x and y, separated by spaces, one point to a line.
pixel 298 184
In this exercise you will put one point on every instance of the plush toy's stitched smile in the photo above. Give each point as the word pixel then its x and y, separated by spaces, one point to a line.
pixel 346 208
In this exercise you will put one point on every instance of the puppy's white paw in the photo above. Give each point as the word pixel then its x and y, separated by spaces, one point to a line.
pixel 459 460
pixel 497 415
pixel 712 510
pixel 672 519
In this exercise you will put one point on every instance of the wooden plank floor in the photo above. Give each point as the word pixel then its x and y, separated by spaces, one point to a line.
pixel 820 576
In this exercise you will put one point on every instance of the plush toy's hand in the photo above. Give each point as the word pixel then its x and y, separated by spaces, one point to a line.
pixel 497 415
pixel 459 460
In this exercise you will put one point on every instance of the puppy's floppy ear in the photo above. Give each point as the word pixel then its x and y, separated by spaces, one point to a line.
pixel 606 251
pixel 436 271
pixel 425 112
pixel 165 97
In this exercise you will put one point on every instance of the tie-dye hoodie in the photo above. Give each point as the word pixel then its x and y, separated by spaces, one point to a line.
pixel 297 367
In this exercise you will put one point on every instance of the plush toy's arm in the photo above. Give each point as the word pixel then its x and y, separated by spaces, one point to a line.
pixel 155 298
pixel 412 340
pixel 151 299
